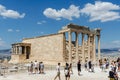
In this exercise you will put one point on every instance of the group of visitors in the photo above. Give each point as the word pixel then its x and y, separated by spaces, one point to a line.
pixel 67 70
pixel 114 67
pixel 104 64
pixel 36 67
pixel 89 66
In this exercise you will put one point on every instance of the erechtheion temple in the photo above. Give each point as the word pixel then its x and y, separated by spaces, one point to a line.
pixel 59 47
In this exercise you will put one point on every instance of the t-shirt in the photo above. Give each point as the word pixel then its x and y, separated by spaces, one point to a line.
pixel 35 64
pixel 41 66
pixel 58 68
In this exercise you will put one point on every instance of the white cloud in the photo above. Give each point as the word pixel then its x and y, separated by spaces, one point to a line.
pixel 41 22
pixel 10 30
pixel 103 11
pixel 17 30
pixel 72 11
pixel 10 13
pixel 113 44
pixel 116 42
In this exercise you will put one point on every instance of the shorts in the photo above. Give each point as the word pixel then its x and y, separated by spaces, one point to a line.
pixel 58 73
pixel 67 75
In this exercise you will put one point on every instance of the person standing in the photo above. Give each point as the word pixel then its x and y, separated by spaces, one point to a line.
pixel 36 65
pixel 79 67
pixel 58 72
pixel 86 66
pixel 31 67
pixel 42 67
pixel 90 65
pixel 39 67
pixel 67 71
pixel 71 68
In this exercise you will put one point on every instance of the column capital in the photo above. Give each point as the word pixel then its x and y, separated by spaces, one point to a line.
pixel 98 36
pixel 83 33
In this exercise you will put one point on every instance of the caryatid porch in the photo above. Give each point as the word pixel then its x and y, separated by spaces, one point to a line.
pixel 20 52
pixel 91 42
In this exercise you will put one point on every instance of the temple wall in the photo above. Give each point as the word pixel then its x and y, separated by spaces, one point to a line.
pixel 48 49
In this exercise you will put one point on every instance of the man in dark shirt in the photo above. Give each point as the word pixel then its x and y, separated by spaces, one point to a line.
pixel 79 67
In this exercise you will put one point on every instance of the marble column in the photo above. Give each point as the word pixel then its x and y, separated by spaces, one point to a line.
pixel 15 49
pixel 77 45
pixel 25 50
pixel 99 47
pixel 70 46
pixel 20 50
pixel 94 48
pixel 88 47
pixel 83 50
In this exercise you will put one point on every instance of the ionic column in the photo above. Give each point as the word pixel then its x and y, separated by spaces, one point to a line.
pixel 20 50
pixel 70 47
pixel 94 48
pixel 98 47
pixel 15 49
pixel 77 45
pixel 25 50
pixel 83 57
pixel 88 47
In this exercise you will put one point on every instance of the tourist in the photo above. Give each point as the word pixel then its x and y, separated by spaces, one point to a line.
pixel 115 66
pixel 71 68
pixel 104 66
pixel 58 72
pixel 113 75
pixel 118 59
pixel 67 71
pixel 31 67
pixel 90 65
pixel 79 67
pixel 36 65
pixel 39 67
pixel 107 64
pixel 42 67
pixel 119 66
pixel 92 68
pixel 85 65
pixel 100 63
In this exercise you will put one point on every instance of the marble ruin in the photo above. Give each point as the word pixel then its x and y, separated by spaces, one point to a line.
pixel 70 44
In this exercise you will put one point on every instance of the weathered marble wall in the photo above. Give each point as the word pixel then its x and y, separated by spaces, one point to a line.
pixel 48 49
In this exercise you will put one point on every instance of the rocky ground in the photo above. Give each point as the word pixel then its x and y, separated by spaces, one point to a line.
pixel 50 74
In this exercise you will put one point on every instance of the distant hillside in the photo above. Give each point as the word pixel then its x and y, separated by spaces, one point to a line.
pixel 5 51
pixel 111 50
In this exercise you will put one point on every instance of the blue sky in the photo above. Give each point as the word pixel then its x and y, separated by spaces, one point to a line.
pixel 28 18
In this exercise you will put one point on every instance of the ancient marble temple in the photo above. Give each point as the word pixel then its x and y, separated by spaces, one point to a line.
pixel 70 44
